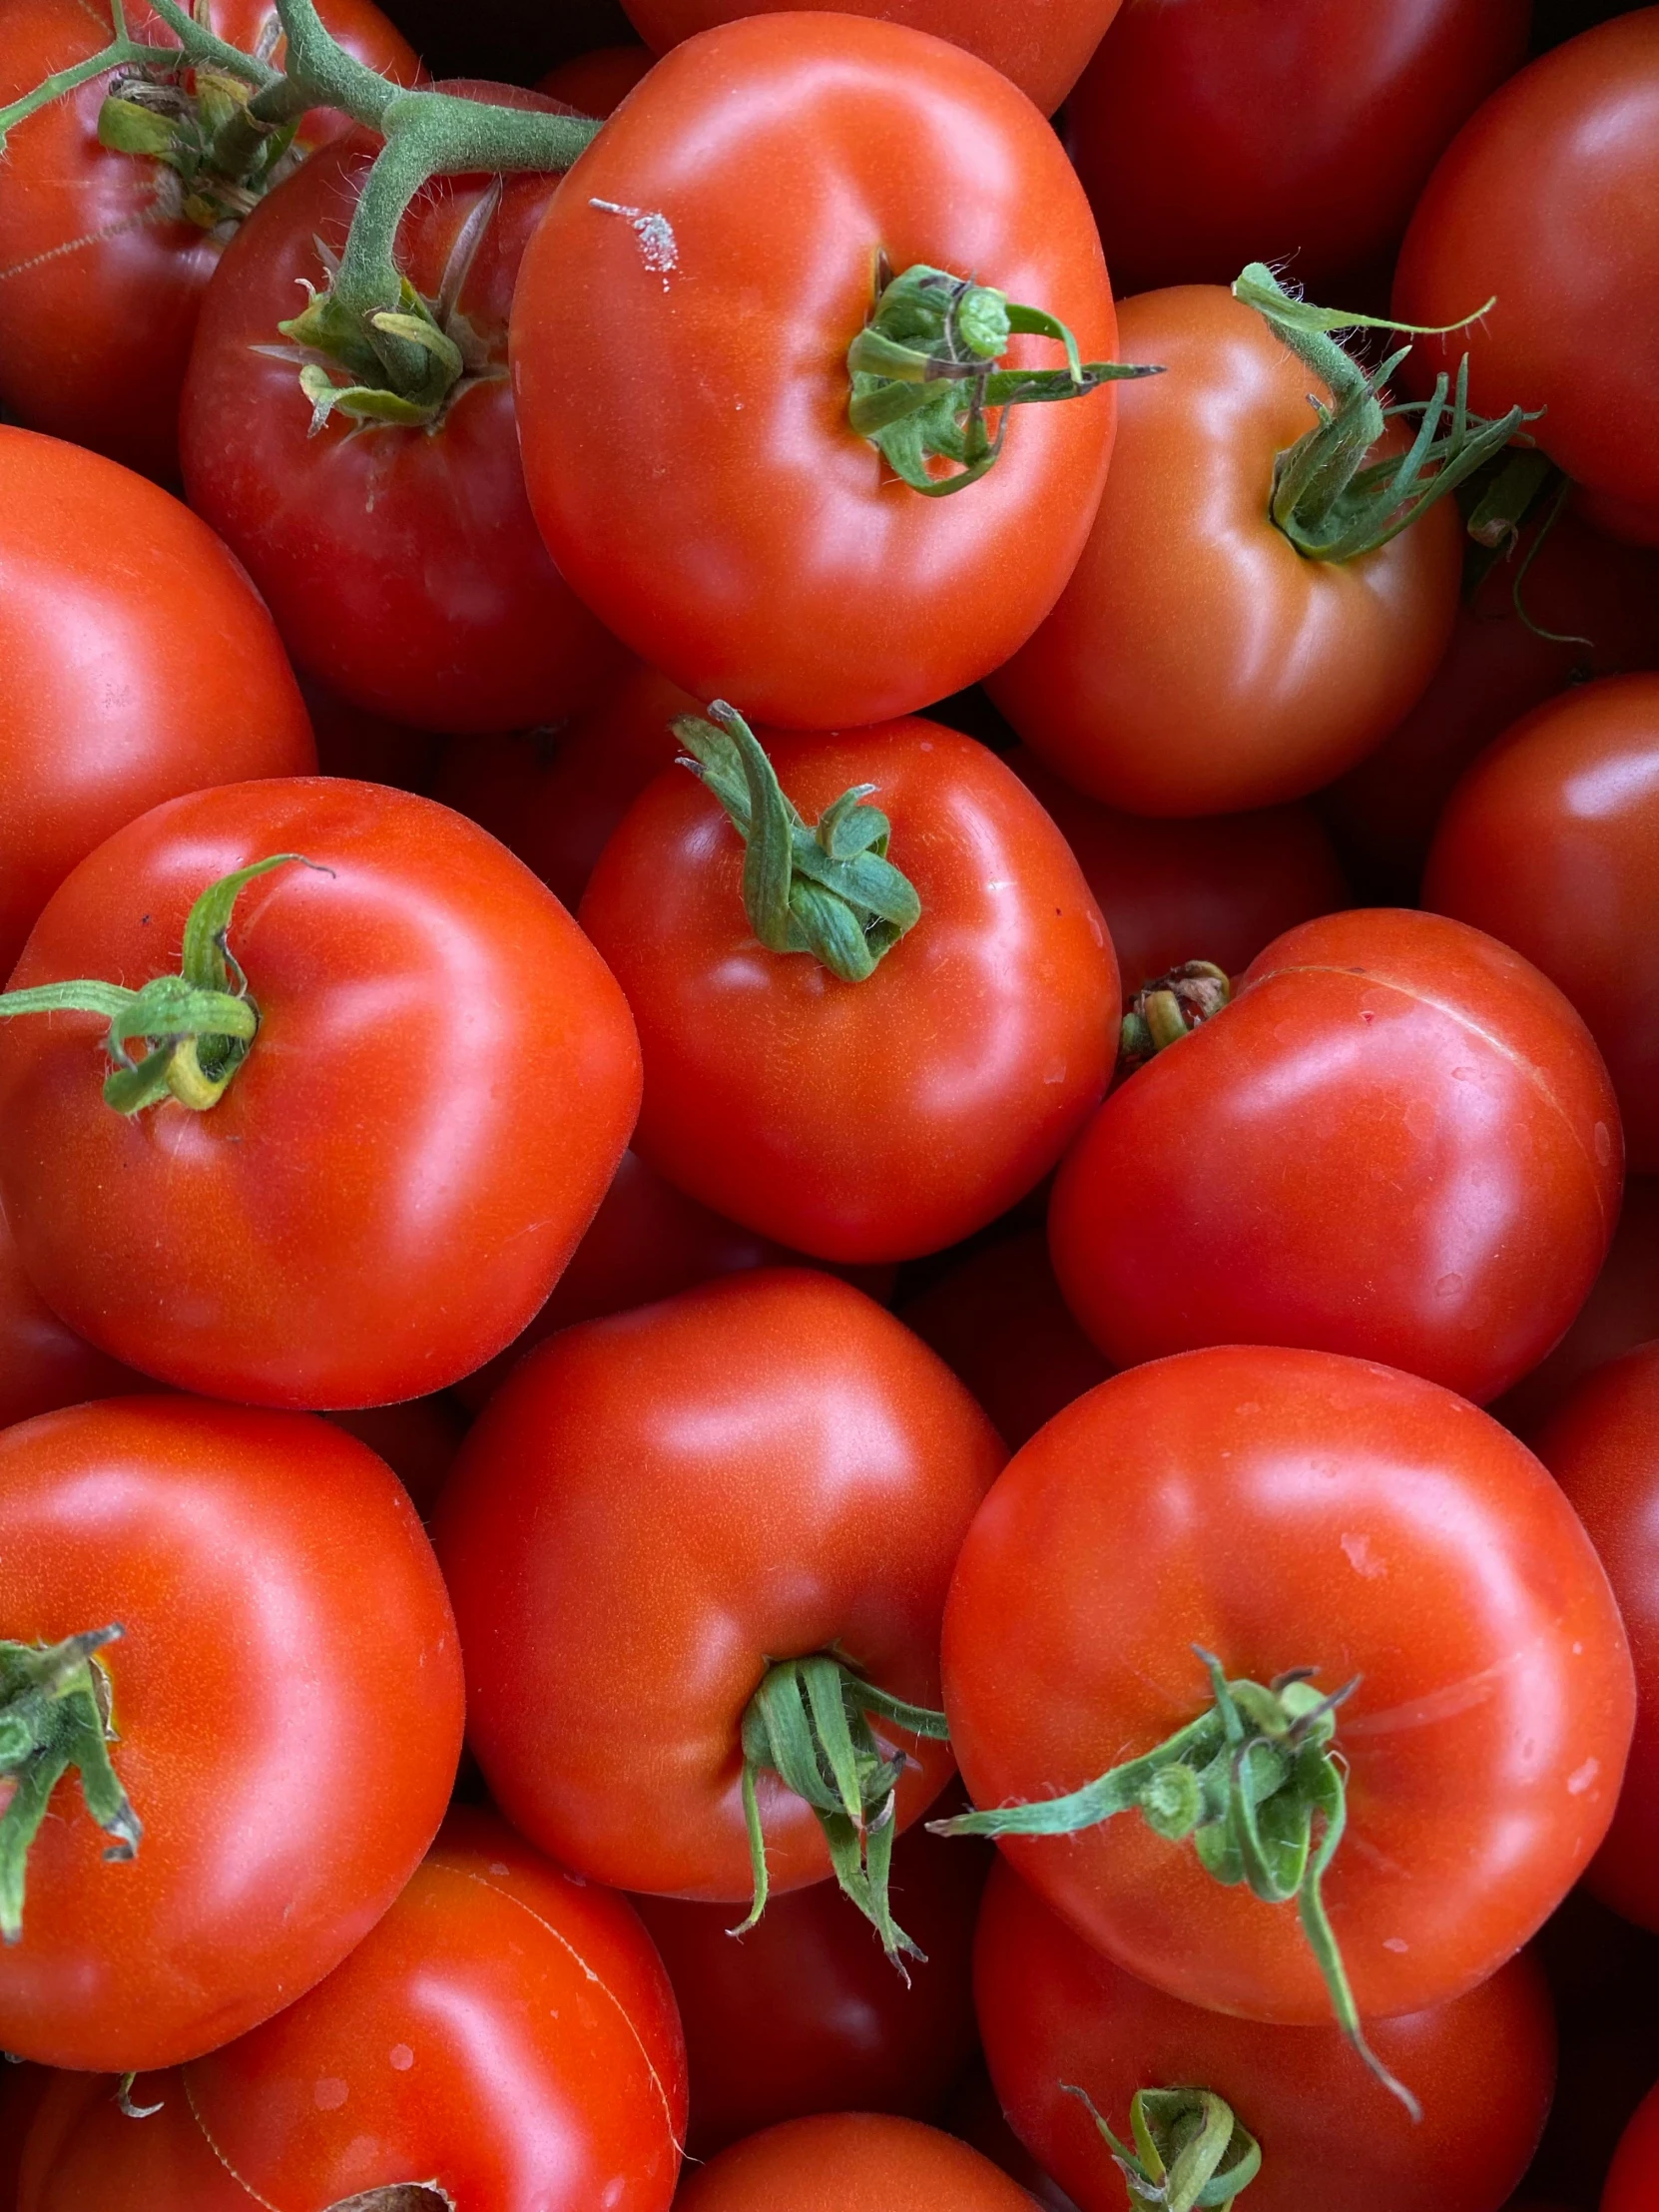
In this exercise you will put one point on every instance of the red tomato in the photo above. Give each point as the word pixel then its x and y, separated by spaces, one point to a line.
pixel 286 1700
pixel 851 2162
pixel 1198 661
pixel 1292 1510
pixel 885 1118
pixel 597 83
pixel 805 2015
pixel 43 1364
pixel 419 1441
pixel 977 2118
pixel 1212 133
pixel 101 268
pixel 21 2090
pixel 1551 843
pixel 443 1070
pixel 402 563
pixel 369 747
pixel 1548 200
pixel 785 1470
pixel 1621 1310
pixel 505 2038
pixel 1633 2183
pixel 679 350
pixel 1055 2013
pixel 135 663
pixel 1397 1141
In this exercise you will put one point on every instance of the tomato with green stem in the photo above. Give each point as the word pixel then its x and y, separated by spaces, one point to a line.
pixel 851 2162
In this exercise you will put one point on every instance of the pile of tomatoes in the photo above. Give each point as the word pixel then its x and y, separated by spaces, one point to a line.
pixel 828 1107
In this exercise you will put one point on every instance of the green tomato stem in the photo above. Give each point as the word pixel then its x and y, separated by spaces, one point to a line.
pixel 1169 1008
pixel 52 1720
pixel 1190 2148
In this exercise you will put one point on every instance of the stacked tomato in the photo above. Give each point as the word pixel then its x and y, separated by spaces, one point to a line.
pixel 829 1108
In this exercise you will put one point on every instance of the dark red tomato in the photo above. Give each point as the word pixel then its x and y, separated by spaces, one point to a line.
pixel 1292 1510
pixel 1218 887
pixel 101 268
pixel 402 563
pixel 1198 663
pixel 1212 133
pixel 87 2149
pixel 1622 1311
pixel 43 1364
pixel 678 349
pixel 285 1697
pixel 1551 843
pixel 443 1081
pixel 504 2040
pixel 806 2015
pixel 1055 2013
pixel 782 1469
pixel 977 2118
pixel 851 2162
pixel 135 663
pixel 21 2090
pixel 1399 1141
pixel 597 83
pixel 370 748
pixel 889 1117
pixel 1548 200
pixel 998 1321
pixel 1633 2183
pixel 419 1441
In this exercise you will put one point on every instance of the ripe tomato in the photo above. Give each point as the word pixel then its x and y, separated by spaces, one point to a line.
pixel 1548 200
pixel 1198 661
pixel 1179 132
pixel 105 256
pixel 1633 2183
pixel 43 1364
pixel 1286 1510
pixel 135 663
pixel 1622 1311
pixel 369 747
pixel 597 83
pixel 1551 843
pixel 889 1117
pixel 419 1441
pixel 443 1069
pixel 1054 2012
pixel 977 2118
pixel 285 1695
pixel 679 350
pixel 401 562
pixel 504 2040
pixel 21 2090
pixel 1397 1141
pixel 851 2162
pixel 780 1469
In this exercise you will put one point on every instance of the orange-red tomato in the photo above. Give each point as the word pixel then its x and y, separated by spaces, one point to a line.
pixel 851 2162
pixel 43 1364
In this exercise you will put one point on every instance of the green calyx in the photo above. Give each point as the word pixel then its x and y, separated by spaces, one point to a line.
pixel 1330 502
pixel 926 376
pixel 1169 1008
pixel 1190 2148
pixel 827 887
pixel 203 124
pixel 810 1723
pixel 1247 1784
pixel 54 1706
pixel 198 1025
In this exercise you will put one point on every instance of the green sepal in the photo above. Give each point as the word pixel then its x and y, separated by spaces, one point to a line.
pixel 129 127
pixel 1190 2148
pixel 51 1723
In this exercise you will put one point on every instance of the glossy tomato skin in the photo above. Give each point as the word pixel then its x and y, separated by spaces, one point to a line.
pixel 1179 129
pixel 403 564
pixel 851 2162
pixel 1621 1312
pixel 101 275
pixel 135 662
pixel 685 431
pixel 288 1699
pixel 1399 1141
pixel 1284 1509
pixel 1548 202
pixel 1052 2012
pixel 786 1469
pixel 1197 663
pixel 877 1120
pixel 1551 843
pixel 443 1068
pixel 84 2149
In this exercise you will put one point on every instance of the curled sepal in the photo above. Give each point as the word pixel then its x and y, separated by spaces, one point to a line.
pixel 826 888
pixel 53 1708
pixel 924 374
pixel 808 1723
pixel 1169 1008
pixel 1190 2148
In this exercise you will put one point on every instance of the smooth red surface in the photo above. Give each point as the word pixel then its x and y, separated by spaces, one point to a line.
pixel 1622 1311
pixel 288 1701
pixel 886 1118
pixel 1399 1141
pixel 1633 2182
pixel 1548 198
pixel 443 1081
pixel 419 1441
pixel 654 1507
pixel 101 277
pixel 1214 132
pixel 21 2090
pixel 1289 1509
pixel 1551 843
pixel 135 662
pixel 685 429
pixel 851 2162
pixel 43 1364
pixel 84 2150
pixel 1053 2010
pixel 597 83
pixel 1197 663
